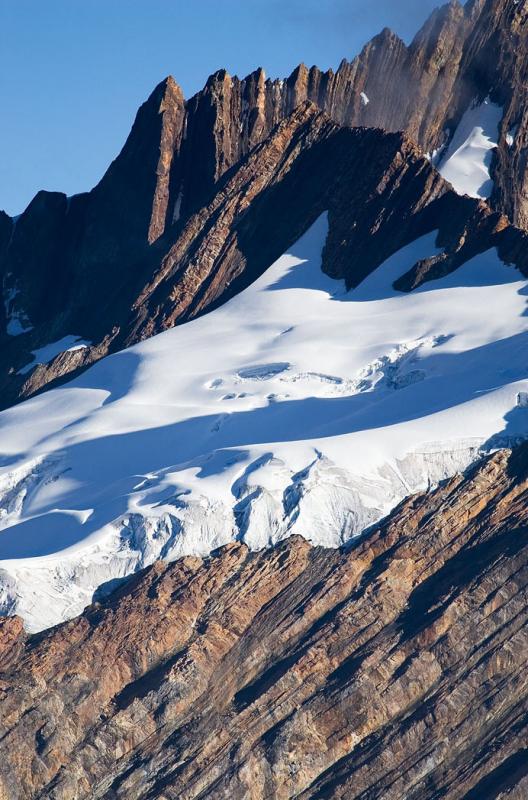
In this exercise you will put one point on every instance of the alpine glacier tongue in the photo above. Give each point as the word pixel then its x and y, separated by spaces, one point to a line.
pixel 294 408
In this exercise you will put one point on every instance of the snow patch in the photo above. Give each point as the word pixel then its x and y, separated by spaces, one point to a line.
pixel 435 156
pixel 18 324
pixel 17 320
pixel 467 162
pixel 511 135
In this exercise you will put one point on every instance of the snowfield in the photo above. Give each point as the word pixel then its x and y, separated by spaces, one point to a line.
pixel 294 408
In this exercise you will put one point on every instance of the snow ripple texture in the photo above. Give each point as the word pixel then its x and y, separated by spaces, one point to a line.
pixel 294 408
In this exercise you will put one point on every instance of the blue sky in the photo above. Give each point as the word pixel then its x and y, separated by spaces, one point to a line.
pixel 73 72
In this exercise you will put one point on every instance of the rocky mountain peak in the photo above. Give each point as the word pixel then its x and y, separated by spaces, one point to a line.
pixel 279 552
pixel 172 107
pixel 186 160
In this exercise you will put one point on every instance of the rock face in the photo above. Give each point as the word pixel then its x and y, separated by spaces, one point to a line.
pixel 193 179
pixel 423 89
pixel 307 165
pixel 396 669
pixel 462 54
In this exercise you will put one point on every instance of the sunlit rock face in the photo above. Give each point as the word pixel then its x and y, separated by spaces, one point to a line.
pixel 287 307
pixel 396 668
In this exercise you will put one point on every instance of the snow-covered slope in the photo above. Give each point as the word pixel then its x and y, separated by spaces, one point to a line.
pixel 466 165
pixel 294 408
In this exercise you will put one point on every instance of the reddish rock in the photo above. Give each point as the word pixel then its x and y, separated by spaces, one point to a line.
pixel 396 668
pixel 379 191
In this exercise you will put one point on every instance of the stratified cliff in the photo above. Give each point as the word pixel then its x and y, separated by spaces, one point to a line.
pixel 462 55
pixel 394 669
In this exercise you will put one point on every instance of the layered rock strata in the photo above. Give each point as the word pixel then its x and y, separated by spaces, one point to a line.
pixel 394 669
pixel 380 194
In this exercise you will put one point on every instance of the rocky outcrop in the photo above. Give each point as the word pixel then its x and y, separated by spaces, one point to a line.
pixel 462 55
pixel 306 166
pixel 394 669
pixel 173 118
pixel 68 260
pixel 471 235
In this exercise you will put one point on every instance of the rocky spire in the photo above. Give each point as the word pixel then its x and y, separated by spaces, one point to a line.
pixel 172 110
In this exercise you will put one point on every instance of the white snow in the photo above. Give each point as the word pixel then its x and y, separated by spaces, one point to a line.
pixel 364 99
pixel 18 324
pixel 467 162
pixel 47 353
pixel 294 408
pixel 511 135
pixel 435 156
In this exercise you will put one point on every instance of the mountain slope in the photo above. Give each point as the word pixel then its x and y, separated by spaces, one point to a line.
pixel 246 434
pixel 296 407
pixel 306 166
pixel 423 89
pixel 380 194
pixel 394 669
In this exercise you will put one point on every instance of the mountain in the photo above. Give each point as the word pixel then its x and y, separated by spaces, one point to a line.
pixel 80 269
pixel 262 464
pixel 181 443
pixel 396 668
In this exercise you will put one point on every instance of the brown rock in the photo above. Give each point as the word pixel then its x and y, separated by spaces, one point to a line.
pixel 379 192
pixel 394 669
pixel 173 111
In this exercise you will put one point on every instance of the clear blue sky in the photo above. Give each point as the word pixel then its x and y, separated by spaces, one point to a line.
pixel 73 72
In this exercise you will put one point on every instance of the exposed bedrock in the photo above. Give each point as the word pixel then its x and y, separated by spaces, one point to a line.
pixel 395 668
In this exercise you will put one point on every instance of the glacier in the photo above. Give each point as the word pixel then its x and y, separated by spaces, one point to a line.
pixel 295 408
